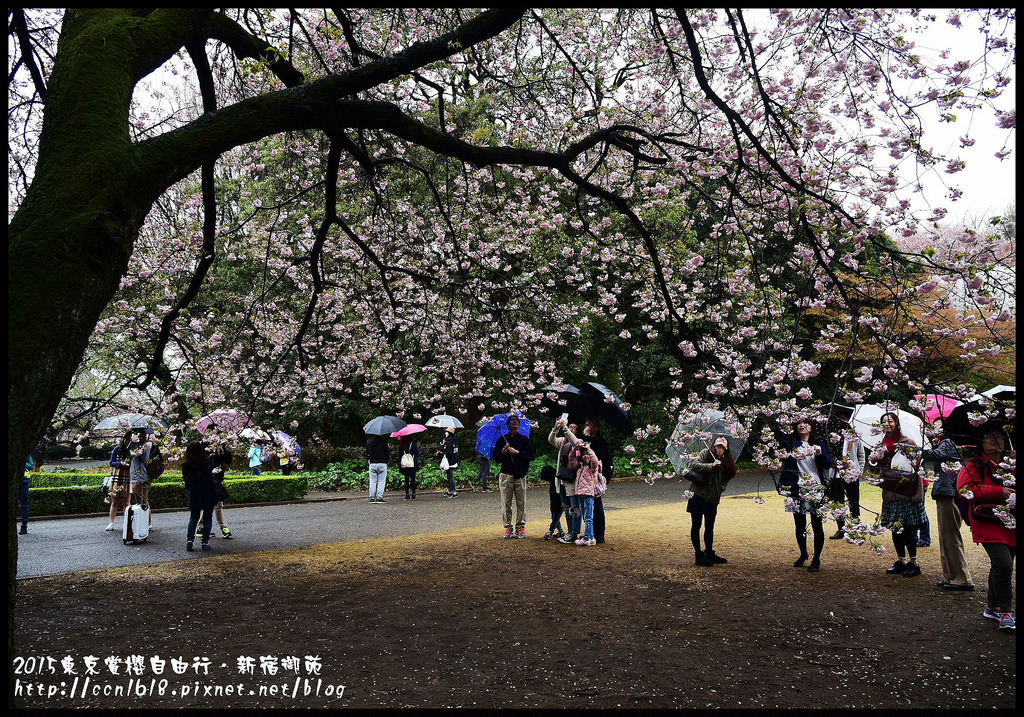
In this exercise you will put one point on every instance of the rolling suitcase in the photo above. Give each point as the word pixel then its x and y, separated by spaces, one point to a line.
pixel 136 524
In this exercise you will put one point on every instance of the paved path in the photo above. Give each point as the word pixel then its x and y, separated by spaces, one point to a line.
pixel 62 545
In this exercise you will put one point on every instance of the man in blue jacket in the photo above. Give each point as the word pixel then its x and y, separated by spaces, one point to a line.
pixel 514 451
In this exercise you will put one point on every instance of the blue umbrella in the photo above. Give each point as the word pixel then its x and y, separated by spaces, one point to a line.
pixel 489 433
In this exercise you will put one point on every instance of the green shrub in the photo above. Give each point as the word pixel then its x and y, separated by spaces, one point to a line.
pixel 79 495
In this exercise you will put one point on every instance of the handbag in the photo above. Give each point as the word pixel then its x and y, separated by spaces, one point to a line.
pixel 698 477
pixel 408 461
pixel 985 512
pixel 220 491
pixel 905 484
pixel 105 485
pixel 600 484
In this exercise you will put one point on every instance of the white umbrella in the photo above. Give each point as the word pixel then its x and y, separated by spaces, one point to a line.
pixel 867 419
pixel 118 425
pixel 254 434
pixel 692 436
pixel 443 420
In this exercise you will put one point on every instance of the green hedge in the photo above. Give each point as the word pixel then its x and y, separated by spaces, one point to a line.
pixel 83 494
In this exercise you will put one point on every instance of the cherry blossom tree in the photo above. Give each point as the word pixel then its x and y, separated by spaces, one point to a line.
pixel 430 207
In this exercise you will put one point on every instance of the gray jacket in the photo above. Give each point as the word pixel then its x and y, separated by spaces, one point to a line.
pixel 945 452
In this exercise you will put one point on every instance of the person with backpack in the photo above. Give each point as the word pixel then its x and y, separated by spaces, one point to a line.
pixel 952 558
pixel 979 482
pixel 410 464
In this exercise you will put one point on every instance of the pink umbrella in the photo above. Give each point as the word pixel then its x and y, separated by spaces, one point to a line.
pixel 409 429
pixel 937 406
pixel 223 419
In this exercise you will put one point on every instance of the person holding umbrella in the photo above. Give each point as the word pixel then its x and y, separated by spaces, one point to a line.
pixel 846 475
pixel 410 463
pixel 904 509
pixel 979 481
pixel 450 460
pixel 718 464
pixel 514 451
pixel 952 558
pixel 378 453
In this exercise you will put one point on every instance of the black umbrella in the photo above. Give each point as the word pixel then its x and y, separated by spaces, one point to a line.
pixel 383 426
pixel 610 407
pixel 567 399
pixel 958 426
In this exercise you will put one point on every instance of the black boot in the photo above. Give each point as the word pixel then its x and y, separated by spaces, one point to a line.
pixel 710 555
pixel 702 559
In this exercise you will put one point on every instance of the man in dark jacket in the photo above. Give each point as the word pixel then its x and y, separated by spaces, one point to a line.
pixel 514 451
pixel 378 454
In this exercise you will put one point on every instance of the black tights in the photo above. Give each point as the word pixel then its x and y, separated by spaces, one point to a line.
pixel 801 533
pixel 905 543
pixel 709 532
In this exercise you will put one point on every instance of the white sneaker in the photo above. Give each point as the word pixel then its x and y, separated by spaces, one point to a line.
pixel 109 527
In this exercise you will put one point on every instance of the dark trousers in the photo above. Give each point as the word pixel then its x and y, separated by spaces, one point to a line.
pixel 193 522
pixel 555 504
pixel 409 476
pixel 800 520
pixel 850 492
pixel 1000 575
pixel 599 518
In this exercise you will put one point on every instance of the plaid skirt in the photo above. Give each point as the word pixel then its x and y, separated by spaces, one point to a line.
pixel 907 513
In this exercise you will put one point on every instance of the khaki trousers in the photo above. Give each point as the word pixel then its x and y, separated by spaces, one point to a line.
pixel 952 557
pixel 510 488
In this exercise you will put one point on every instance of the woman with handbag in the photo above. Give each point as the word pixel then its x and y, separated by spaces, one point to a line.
pixel 903 511
pixel 197 471
pixel 804 471
pixel 709 474
pixel 450 461
pixel 120 476
pixel 410 464
pixel 979 480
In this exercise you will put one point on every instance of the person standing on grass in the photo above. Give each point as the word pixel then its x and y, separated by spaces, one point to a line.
pixel 804 472
pixel 718 464
pixel 564 485
pixel 952 557
pixel 902 513
pixel 592 434
pixel 979 483
pixel 514 451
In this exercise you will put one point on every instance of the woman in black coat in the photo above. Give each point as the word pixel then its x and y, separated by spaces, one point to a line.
pixel 197 470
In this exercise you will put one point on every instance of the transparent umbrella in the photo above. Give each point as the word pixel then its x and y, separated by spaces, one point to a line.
pixel 695 433
pixel 117 425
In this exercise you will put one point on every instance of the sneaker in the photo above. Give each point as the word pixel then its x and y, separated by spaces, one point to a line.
pixel 567 539
pixel 24 530
pixel 488 490
pixel 548 535
pixel 381 500
pixel 225 531
pixel 992 613
pixel 1007 621
pixel 912 570
pixel 189 546
pixel 199 535
pixel 507 534
pixel 206 546
pixel 923 543
pixel 582 541
pixel 521 533
pixel 110 526
pixel 454 495
pixel 592 541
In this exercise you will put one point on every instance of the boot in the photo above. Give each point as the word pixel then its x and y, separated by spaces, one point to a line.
pixel 710 555
pixel 702 559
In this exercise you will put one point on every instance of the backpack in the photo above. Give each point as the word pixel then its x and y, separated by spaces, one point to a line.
pixel 155 465
pixel 408 461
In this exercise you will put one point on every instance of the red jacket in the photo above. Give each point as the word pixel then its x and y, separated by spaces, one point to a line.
pixel 986 489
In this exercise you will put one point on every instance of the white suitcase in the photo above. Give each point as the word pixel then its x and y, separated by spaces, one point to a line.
pixel 136 524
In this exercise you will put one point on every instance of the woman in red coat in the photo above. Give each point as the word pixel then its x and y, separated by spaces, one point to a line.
pixel 979 480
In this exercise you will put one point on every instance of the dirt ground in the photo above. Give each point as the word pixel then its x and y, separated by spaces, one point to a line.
pixel 463 619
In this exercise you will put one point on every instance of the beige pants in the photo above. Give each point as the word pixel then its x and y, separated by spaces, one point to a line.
pixel 952 557
pixel 512 488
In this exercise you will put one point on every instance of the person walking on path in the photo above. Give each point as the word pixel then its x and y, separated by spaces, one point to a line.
pixel 256 458
pixel 378 453
pixel 23 494
pixel 197 472
pixel 482 474
pixel 803 472
pixel 220 459
pixel 514 451
pixel 952 558
pixel 979 482
pixel 719 467
pixel 410 464
pixel 120 476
